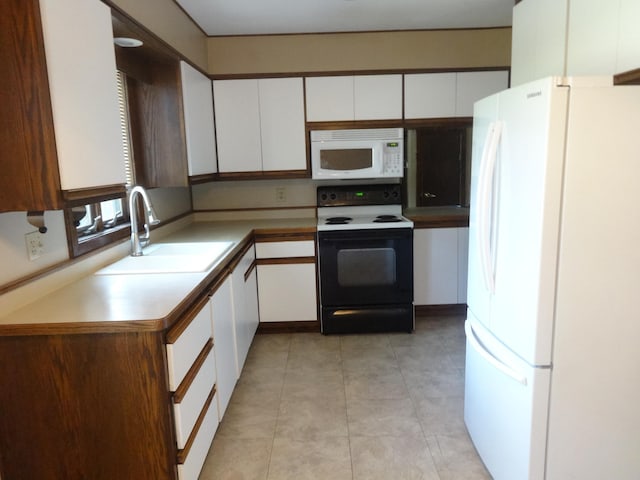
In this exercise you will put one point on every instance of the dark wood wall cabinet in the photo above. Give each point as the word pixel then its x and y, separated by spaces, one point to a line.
pixel 52 139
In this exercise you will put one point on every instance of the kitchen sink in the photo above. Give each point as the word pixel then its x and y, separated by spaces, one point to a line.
pixel 170 258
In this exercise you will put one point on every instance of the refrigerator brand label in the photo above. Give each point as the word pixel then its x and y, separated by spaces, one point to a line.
pixel 534 94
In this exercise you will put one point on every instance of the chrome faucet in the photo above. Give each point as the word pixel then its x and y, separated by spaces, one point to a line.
pixel 137 241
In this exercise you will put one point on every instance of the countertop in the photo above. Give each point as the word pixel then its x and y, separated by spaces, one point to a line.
pixel 438 217
pixel 136 302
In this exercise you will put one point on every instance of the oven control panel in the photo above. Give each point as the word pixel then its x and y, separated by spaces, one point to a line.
pixel 355 195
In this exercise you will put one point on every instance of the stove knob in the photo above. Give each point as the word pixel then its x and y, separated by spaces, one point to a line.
pixel 333 196
pixel 323 196
pixel 386 194
pixel 396 193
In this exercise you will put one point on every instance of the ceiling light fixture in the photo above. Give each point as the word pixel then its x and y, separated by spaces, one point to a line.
pixel 127 42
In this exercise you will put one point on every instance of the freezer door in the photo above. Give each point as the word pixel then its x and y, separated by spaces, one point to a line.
pixel 527 200
pixel 505 407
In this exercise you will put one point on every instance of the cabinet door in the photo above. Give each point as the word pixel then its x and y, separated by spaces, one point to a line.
pixel 282 124
pixel 430 95
pixel 629 36
pixel 435 266
pixel 287 292
pixel 474 86
pixel 592 37
pixel 197 100
pixel 539 40
pixel 82 81
pixel 237 114
pixel 224 340
pixel 245 306
pixel 329 98
pixel 377 97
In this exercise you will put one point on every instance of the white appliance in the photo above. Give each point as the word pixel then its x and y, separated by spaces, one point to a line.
pixel 552 387
pixel 355 154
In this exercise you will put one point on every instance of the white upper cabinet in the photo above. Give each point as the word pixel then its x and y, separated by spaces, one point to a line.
pixel 430 95
pixel 451 94
pixel 81 67
pixel 628 36
pixel 237 112
pixel 574 37
pixel 474 86
pixel 282 124
pixel 377 97
pixel 360 97
pixel 260 124
pixel 197 100
pixel 538 40
pixel 592 37
pixel 329 98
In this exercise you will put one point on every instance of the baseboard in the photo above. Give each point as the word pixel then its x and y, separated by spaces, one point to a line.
pixel 440 310
pixel 289 327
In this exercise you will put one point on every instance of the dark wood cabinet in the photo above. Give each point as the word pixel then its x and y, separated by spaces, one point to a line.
pixel 29 178
pixel 85 406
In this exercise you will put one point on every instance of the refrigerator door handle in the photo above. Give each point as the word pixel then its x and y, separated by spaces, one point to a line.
pixel 485 194
pixel 504 368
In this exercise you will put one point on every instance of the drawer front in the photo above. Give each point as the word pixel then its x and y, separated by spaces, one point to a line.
pixel 182 353
pixel 186 412
pixel 302 248
pixel 190 469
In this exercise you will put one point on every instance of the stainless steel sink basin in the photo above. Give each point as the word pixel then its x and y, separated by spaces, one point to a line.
pixel 170 258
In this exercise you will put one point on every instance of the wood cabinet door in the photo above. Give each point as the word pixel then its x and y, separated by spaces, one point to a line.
pixel 440 158
pixel 282 124
pixel 237 115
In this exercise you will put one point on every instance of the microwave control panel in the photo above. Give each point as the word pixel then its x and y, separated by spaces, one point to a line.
pixel 392 160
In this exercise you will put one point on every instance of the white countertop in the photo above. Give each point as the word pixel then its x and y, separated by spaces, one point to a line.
pixel 124 302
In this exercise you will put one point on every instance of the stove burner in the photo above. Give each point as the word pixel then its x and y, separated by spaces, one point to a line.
pixel 337 220
pixel 387 219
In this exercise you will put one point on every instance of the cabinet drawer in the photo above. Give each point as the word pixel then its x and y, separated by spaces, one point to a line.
pixel 192 465
pixel 302 248
pixel 183 352
pixel 186 412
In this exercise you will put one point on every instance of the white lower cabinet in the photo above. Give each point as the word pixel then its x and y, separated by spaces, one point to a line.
pixel 440 265
pixel 287 289
pixel 245 305
pixel 224 343
pixel 192 464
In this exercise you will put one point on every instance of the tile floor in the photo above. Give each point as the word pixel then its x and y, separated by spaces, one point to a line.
pixel 382 406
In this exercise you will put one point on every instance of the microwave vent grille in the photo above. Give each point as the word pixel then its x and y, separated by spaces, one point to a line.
pixel 357 134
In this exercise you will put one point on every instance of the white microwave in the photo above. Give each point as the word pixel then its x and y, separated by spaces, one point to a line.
pixel 355 154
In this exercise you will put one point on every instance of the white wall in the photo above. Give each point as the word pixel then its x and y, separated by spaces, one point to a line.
pixel 13 249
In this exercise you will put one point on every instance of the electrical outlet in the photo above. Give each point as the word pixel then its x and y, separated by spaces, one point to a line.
pixel 281 195
pixel 35 245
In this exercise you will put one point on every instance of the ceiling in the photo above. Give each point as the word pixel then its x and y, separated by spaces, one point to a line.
pixel 255 17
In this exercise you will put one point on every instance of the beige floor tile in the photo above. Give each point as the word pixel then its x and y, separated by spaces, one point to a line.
pixel 386 384
pixel 434 383
pixel 249 420
pixel 365 341
pixel 237 459
pixel 382 417
pixel 369 360
pixel 305 418
pixel 456 458
pixel 311 459
pixel 397 458
pixel 300 383
pixel 441 415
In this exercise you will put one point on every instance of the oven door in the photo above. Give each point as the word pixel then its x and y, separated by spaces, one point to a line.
pixel 366 267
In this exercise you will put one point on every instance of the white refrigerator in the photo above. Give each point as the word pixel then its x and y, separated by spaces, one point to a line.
pixel 552 377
